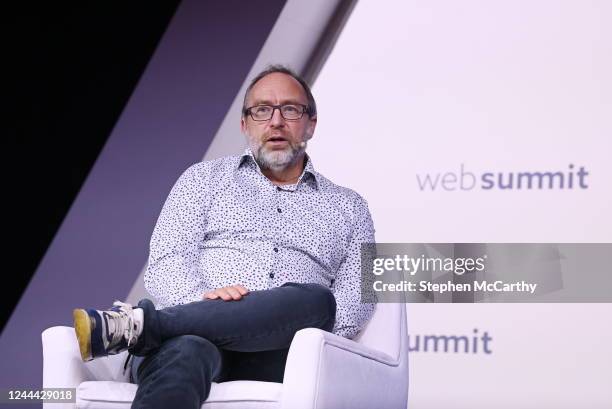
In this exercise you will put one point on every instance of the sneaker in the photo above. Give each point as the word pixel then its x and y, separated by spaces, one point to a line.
pixel 102 333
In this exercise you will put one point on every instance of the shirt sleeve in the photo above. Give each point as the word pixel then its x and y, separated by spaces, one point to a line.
pixel 351 313
pixel 172 275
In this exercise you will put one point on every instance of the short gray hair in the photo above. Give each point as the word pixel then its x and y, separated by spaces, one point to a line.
pixel 311 109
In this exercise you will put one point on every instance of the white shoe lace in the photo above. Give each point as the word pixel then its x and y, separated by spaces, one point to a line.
pixel 123 322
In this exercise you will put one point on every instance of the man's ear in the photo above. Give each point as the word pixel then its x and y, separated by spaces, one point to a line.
pixel 243 126
pixel 312 124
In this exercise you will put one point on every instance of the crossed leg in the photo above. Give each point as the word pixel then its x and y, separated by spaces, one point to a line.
pixel 183 349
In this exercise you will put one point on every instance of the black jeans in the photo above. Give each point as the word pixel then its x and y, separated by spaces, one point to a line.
pixel 184 348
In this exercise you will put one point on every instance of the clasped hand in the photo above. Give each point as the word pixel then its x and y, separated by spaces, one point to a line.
pixel 230 293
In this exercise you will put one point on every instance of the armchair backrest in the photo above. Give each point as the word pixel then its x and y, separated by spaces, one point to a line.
pixel 387 331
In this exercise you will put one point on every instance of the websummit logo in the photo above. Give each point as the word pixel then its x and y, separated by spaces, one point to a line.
pixel 452 181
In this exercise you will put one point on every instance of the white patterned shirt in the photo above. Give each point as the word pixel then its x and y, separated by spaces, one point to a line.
pixel 225 223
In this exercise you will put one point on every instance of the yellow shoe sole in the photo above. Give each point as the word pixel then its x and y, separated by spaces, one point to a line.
pixel 83 328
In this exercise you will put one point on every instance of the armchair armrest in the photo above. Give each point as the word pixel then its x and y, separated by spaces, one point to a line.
pixel 63 367
pixel 325 371
pixel 62 364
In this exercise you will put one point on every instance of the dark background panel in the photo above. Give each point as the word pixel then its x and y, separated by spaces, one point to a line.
pixel 71 71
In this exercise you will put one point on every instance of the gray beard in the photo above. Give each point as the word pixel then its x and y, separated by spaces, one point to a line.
pixel 277 160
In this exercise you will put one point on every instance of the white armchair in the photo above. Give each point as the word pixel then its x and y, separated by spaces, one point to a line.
pixel 323 371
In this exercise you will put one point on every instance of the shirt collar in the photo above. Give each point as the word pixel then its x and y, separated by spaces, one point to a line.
pixel 307 174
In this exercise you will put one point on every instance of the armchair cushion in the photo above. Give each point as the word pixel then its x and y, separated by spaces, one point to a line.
pixel 226 395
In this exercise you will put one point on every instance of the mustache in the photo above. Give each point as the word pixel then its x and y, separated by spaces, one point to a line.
pixel 292 146
pixel 278 136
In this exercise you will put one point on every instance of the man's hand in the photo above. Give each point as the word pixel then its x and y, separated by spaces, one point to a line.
pixel 231 293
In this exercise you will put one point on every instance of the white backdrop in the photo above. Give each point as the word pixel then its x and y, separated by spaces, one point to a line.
pixel 417 89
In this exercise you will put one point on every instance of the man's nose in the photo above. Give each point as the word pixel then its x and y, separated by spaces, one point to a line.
pixel 277 118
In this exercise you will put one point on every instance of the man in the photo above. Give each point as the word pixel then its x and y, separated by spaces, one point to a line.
pixel 247 250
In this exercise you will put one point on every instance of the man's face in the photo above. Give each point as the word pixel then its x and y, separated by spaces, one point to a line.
pixel 276 143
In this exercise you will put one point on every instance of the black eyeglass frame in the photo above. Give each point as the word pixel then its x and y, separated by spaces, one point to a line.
pixel 305 110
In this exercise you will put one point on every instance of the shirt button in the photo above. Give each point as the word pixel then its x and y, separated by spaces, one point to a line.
pixel 279 210
pixel 271 275
pixel 275 250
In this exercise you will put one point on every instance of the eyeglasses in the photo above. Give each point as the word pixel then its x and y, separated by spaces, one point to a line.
pixel 289 112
